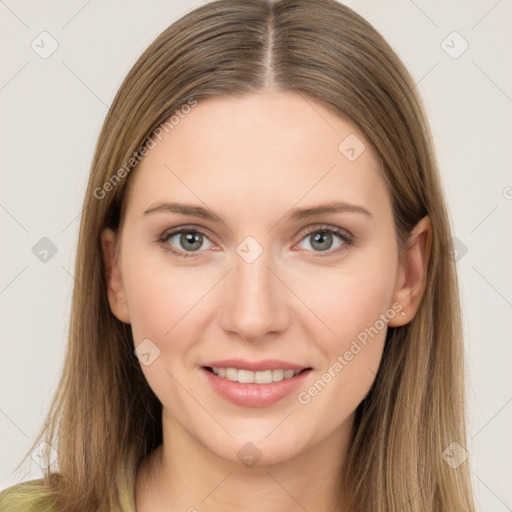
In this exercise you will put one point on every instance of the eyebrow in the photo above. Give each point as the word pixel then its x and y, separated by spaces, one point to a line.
pixel 294 214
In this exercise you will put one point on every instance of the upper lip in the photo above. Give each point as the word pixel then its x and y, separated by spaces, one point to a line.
pixel 255 366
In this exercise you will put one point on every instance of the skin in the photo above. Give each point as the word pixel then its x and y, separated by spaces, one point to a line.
pixel 251 160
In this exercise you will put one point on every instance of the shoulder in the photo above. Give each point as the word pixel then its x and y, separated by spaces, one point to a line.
pixel 30 496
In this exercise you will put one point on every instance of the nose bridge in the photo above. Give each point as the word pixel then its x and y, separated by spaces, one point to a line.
pixel 254 308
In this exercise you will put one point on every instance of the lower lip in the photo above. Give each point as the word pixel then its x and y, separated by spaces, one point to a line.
pixel 255 395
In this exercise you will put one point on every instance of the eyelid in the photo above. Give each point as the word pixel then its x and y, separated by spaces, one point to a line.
pixel 341 232
pixel 346 236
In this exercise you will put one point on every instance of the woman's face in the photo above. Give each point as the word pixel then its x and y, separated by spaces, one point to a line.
pixel 253 279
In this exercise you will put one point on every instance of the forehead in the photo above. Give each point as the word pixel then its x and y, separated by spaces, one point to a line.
pixel 263 150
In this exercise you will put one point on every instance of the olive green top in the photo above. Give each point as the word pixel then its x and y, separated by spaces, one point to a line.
pixel 29 497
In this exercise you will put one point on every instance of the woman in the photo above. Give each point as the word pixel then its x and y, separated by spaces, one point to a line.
pixel 265 304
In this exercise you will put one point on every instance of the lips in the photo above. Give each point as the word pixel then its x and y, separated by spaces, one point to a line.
pixel 251 393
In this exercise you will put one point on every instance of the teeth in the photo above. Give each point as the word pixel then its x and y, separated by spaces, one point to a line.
pixel 277 375
pixel 249 377
pixel 289 373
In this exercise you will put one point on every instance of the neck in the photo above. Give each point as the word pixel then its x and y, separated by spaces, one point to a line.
pixel 183 474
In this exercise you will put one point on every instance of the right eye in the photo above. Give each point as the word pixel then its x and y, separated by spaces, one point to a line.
pixel 187 241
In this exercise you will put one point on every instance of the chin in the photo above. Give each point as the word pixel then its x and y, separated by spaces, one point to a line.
pixel 258 449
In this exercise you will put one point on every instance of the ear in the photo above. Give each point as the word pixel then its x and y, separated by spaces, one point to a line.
pixel 116 295
pixel 411 277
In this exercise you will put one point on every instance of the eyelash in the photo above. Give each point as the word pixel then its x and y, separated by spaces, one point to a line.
pixel 345 236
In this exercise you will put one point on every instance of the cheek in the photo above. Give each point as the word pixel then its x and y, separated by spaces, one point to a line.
pixel 355 306
pixel 351 298
pixel 358 305
pixel 161 295
pixel 161 303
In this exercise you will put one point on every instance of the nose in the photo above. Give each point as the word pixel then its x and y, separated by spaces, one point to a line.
pixel 256 303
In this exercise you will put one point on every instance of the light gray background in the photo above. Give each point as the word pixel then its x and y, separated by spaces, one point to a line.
pixel 51 113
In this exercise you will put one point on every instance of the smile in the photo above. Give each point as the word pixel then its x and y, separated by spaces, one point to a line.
pixel 260 387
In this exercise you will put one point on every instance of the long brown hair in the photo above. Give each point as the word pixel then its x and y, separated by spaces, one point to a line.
pixel 105 419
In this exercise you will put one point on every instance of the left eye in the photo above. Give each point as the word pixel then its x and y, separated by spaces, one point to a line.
pixel 322 239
